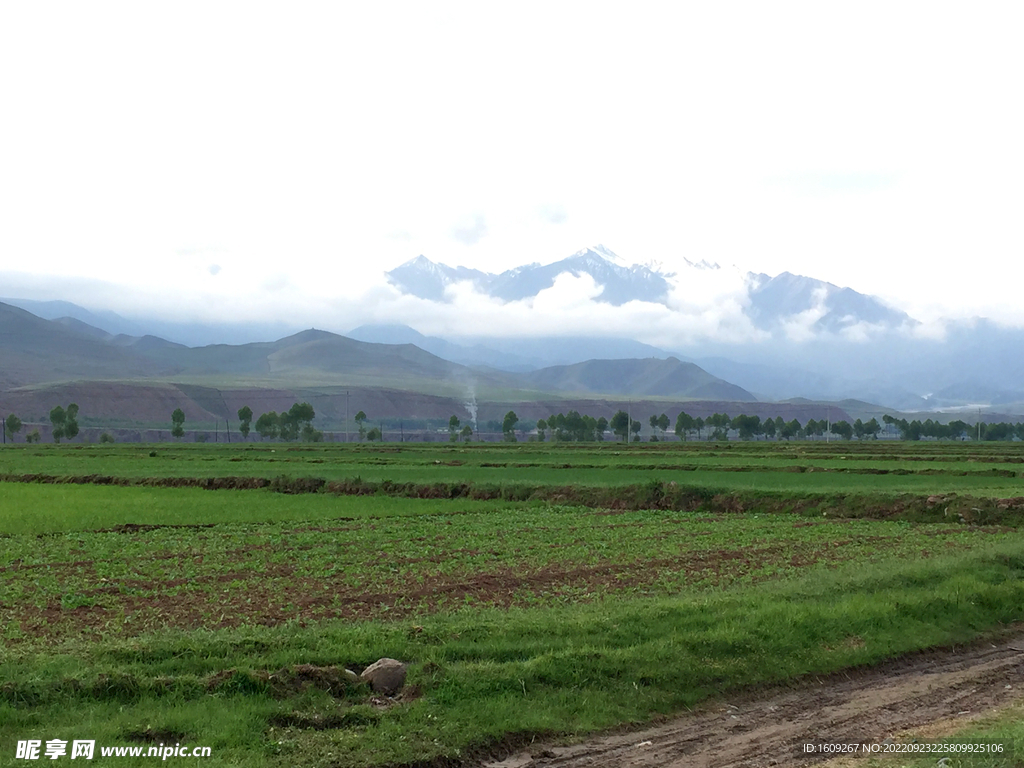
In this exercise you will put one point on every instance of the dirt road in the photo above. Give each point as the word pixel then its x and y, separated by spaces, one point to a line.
pixel 864 705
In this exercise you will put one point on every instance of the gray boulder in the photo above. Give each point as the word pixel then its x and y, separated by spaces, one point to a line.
pixel 386 676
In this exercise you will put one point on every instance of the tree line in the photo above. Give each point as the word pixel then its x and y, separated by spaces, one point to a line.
pixel 297 423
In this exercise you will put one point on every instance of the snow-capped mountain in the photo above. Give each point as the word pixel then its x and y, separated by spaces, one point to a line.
pixel 773 301
pixel 826 307
pixel 621 283
pixel 422 277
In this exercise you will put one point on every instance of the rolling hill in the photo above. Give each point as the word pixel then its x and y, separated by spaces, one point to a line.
pixel 33 350
pixel 650 377
pixel 145 378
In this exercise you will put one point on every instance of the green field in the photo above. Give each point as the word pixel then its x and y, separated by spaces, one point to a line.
pixel 534 589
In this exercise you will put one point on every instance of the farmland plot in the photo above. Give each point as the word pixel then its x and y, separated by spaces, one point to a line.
pixel 227 617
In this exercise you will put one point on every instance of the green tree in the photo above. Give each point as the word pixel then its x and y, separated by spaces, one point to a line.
pixel 842 428
pixel 720 422
pixel 508 427
pixel 177 423
pixel 244 419
pixel 577 428
pixel 373 435
pixel 658 424
pixel 13 425
pixel 790 429
pixel 959 428
pixel 467 433
pixel 360 418
pixel 748 426
pixel 768 428
pixel 267 425
pixel 453 428
pixel 32 437
pixel 296 422
pixel 635 428
pixel 106 437
pixel 684 425
pixel 542 425
pixel 620 425
pixel 812 428
pixel 71 422
pixel 58 418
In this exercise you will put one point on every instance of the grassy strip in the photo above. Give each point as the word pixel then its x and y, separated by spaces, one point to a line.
pixel 654 494
pixel 737 467
pixel 487 675
pixel 1004 727
pixel 35 509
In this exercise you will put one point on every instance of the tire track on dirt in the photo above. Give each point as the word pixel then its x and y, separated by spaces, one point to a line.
pixel 770 729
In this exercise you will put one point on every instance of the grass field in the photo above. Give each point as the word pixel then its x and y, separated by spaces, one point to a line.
pixel 533 589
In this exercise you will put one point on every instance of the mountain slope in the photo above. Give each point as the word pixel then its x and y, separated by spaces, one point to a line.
pixel 34 350
pixel 774 300
pixel 638 378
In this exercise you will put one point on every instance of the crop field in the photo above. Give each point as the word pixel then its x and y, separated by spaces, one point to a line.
pixel 215 594
pixel 995 470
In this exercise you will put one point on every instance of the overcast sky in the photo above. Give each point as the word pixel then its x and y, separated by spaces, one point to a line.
pixel 254 160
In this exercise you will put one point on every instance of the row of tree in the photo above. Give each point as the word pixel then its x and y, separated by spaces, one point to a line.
pixel 63 422
pixel 296 423
pixel 508 428
pixel 751 427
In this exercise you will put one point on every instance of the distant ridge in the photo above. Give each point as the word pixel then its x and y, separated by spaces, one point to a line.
pixel 652 377
pixel 428 280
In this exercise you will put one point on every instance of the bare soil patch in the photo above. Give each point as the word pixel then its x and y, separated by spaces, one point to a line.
pixel 923 691
pixel 272 595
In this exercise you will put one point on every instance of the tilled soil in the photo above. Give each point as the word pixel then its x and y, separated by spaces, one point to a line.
pixel 771 729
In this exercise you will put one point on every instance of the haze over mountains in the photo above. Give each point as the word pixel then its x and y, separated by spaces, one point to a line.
pixel 145 377
pixel 793 336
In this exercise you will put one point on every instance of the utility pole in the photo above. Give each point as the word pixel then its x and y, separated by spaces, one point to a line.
pixel 979 425
pixel 346 416
pixel 227 429
pixel 828 425
pixel 401 429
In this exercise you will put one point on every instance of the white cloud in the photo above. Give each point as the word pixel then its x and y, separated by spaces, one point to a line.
pixel 877 149
pixel 800 327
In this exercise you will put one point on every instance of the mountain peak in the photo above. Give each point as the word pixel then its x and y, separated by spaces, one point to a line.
pixel 608 254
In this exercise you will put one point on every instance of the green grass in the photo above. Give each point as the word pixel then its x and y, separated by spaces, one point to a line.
pixel 134 612
pixel 923 469
pixel 227 558
pixel 1003 728
pixel 45 509
pixel 486 674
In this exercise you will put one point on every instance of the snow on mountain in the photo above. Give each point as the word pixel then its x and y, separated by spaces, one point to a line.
pixel 821 306
pixel 621 282
pixel 702 264
pixel 800 307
